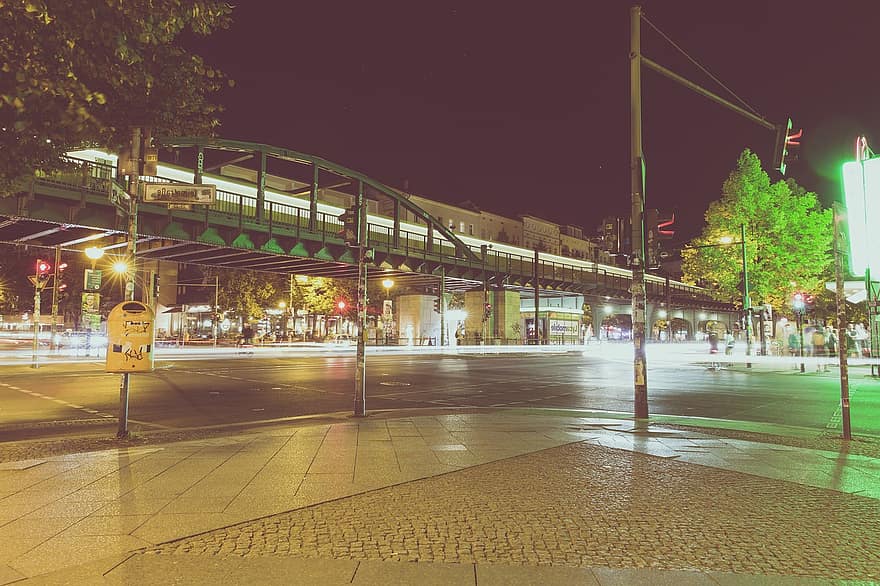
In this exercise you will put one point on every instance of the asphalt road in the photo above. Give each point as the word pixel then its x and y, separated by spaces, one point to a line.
pixel 72 398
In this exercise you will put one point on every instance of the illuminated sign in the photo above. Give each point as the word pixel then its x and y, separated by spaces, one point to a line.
pixel 861 186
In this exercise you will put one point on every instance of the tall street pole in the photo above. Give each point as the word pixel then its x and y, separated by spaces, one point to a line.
pixel 35 362
pixel 841 322
pixel 747 303
pixel 360 373
pixel 54 297
pixel 640 367
pixel 130 250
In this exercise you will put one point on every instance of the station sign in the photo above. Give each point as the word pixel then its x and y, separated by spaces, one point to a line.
pixel 179 193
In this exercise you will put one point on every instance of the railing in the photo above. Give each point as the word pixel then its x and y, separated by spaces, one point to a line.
pixel 96 177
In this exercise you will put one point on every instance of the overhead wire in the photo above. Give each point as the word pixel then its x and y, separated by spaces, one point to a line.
pixel 700 67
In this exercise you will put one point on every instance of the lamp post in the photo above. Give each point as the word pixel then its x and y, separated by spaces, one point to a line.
pixel 746 301
pixel 387 309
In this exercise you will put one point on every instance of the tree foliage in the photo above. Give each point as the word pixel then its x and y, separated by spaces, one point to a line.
pixel 247 293
pixel 788 239
pixel 74 72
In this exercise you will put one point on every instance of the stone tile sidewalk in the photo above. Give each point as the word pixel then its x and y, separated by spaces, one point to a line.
pixel 500 497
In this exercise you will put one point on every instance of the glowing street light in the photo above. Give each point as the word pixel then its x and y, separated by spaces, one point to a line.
pixel 94 252
pixel 120 267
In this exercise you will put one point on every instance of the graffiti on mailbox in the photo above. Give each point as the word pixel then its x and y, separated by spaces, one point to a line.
pixel 128 350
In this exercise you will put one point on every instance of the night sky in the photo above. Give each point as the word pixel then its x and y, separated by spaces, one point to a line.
pixel 524 107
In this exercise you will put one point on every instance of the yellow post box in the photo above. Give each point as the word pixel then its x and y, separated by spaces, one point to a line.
pixel 130 328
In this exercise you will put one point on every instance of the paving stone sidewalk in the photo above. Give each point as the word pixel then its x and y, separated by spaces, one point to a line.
pixel 491 498
pixel 580 505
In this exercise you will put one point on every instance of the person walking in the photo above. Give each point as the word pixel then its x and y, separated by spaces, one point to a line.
pixel 728 342
pixel 818 340
pixel 830 347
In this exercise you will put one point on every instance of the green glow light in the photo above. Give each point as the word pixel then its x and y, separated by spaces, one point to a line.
pixel 861 187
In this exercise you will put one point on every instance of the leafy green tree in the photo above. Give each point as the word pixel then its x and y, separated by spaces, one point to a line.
pixel 79 72
pixel 247 293
pixel 788 239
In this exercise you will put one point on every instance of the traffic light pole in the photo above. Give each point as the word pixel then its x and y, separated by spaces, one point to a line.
pixel 35 362
pixel 747 301
pixel 442 306
pixel 130 250
pixel 54 297
pixel 360 373
pixel 637 260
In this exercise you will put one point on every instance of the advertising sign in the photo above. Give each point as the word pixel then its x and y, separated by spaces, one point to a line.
pixel 91 302
pixel 92 280
pixel 130 328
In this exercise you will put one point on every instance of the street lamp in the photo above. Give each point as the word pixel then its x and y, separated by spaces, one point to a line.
pixel 746 302
pixel 94 253
pixel 387 308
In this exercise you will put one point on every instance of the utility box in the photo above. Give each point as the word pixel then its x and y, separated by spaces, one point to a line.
pixel 130 330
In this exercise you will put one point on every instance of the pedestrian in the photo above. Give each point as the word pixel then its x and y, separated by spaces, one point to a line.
pixel 728 342
pixel 247 335
pixel 713 342
pixel 818 340
pixel 852 349
pixel 830 347
pixel 794 344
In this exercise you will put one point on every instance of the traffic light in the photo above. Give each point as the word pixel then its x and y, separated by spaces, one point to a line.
pixel 658 227
pixel 609 234
pixel 43 272
pixel 437 305
pixel 60 285
pixel 349 232
pixel 784 139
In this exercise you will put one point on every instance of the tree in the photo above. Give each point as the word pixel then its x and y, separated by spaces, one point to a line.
pixel 788 239
pixel 246 293
pixel 79 72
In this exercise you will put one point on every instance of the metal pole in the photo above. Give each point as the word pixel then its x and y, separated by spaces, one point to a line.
pixel 640 368
pixel 747 302
pixel 841 323
pixel 485 323
pixel 360 373
pixel 871 312
pixel 668 312
pixel 130 250
pixel 216 307
pixel 442 306
pixel 800 325
pixel 54 297
pixel 36 347
pixel 537 298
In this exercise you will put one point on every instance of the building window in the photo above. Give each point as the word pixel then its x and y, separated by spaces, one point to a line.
pixel 471 229
pixel 461 227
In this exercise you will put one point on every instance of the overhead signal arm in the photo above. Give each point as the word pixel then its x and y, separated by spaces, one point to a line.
pixel 784 136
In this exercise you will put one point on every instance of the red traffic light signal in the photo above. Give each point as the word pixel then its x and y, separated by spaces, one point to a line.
pixel 341 305
pixel 43 268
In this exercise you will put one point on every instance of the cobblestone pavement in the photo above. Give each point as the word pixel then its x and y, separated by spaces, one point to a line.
pixel 579 505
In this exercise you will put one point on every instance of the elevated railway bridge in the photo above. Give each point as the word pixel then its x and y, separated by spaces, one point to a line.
pixel 296 231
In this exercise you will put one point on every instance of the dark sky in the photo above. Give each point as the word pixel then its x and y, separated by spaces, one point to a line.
pixel 523 107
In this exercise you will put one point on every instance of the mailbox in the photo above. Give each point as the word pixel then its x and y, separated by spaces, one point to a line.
pixel 130 327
